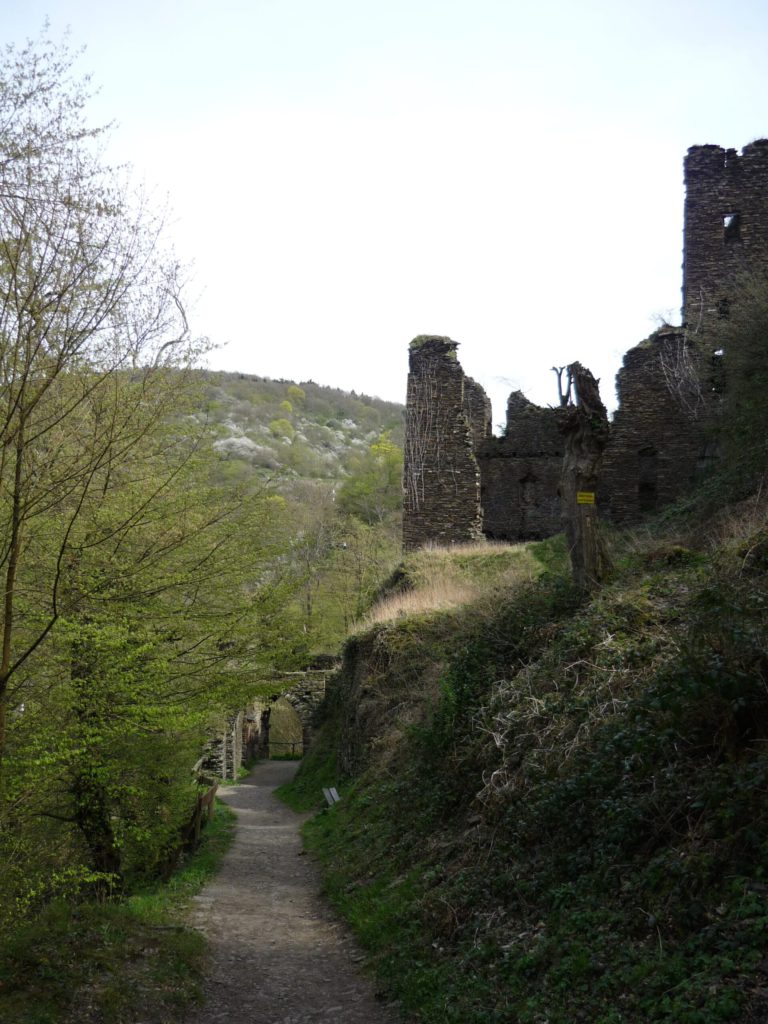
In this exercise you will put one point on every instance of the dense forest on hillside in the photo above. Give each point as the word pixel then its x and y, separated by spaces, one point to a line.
pixel 335 461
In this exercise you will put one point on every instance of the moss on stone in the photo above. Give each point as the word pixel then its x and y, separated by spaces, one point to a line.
pixel 448 345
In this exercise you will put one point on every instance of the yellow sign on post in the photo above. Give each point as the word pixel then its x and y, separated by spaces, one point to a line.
pixel 585 497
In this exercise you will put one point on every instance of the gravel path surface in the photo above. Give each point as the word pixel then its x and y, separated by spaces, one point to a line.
pixel 278 955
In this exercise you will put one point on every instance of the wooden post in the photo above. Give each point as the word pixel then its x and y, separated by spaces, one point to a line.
pixel 586 429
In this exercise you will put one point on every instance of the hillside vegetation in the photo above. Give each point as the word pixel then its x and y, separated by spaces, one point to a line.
pixel 554 807
pixel 268 427
pixel 334 458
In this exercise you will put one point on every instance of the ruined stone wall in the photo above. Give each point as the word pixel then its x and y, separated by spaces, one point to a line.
pixel 477 409
pixel 520 474
pixel 444 414
pixel 726 227
pixel 244 735
pixel 305 696
pixel 462 483
pixel 459 479
pixel 657 448
pixel 224 754
pixel 255 732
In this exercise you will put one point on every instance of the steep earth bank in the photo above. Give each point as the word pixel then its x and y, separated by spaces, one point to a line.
pixel 554 809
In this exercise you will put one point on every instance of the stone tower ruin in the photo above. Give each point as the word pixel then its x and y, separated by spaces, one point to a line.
pixel 726 227
pixel 460 482
pixel 446 415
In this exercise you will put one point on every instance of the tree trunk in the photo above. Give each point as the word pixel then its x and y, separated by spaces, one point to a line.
pixel 89 792
pixel 14 550
pixel 92 816
pixel 585 427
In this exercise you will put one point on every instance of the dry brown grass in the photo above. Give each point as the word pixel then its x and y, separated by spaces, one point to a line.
pixel 474 547
pixel 738 522
pixel 446 578
pixel 742 521
pixel 441 594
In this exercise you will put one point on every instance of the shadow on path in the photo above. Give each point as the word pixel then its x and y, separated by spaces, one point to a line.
pixel 278 956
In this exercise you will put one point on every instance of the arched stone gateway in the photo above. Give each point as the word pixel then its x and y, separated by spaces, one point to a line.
pixel 245 736
pixel 305 696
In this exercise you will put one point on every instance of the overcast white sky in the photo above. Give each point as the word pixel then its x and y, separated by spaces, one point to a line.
pixel 347 174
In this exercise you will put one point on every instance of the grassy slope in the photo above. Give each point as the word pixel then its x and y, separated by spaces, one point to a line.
pixel 113 963
pixel 555 812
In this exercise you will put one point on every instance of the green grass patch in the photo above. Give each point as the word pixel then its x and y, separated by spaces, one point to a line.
pixel 242 771
pixel 318 769
pixel 113 962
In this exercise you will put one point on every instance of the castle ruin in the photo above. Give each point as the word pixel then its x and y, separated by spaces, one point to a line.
pixel 726 228
pixel 462 483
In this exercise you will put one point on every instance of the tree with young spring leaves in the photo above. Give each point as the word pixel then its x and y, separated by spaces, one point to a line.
pixel 138 599
pixel 373 489
pixel 346 543
pixel 169 621
pixel 87 296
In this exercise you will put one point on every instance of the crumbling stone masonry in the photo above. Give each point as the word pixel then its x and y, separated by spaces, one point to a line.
pixel 661 436
pixel 306 694
pixel 520 473
pixel 726 227
pixel 446 413
pixel 460 482
pixel 244 736
pixel 502 487
pixel 658 447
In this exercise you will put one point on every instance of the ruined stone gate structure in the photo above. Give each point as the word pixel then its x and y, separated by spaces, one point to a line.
pixel 462 483
pixel 305 695
pixel 244 736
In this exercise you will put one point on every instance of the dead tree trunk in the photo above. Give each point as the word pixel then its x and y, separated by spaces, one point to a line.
pixel 585 426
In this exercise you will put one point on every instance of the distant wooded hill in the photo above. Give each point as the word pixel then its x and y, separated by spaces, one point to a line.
pixel 303 430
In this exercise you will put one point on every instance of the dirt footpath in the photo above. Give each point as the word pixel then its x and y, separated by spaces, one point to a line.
pixel 278 955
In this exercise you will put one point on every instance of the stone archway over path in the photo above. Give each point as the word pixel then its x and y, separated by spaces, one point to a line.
pixel 305 695
pixel 245 737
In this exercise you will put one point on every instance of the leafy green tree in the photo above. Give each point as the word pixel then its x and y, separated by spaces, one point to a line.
pixel 281 427
pixel 339 561
pixel 87 295
pixel 373 491
pixel 173 594
pixel 139 600
pixel 316 532
pixel 365 556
